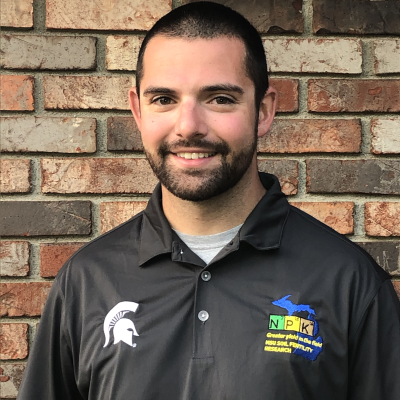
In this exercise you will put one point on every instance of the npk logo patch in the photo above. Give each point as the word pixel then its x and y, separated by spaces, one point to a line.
pixel 123 328
pixel 298 335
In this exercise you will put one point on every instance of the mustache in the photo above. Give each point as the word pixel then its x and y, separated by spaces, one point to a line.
pixel 205 145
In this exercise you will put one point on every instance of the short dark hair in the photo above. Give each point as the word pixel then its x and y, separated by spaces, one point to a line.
pixel 207 20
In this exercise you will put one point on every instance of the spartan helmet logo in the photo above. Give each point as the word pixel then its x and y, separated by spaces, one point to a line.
pixel 124 328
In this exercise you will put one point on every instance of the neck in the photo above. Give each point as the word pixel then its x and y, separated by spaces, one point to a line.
pixel 217 214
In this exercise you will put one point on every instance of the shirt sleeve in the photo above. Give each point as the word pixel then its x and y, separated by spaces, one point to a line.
pixel 374 359
pixel 49 374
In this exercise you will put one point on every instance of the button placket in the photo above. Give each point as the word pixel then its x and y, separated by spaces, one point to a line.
pixel 203 315
pixel 202 321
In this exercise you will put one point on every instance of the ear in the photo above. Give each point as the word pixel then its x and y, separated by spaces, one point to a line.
pixel 267 111
pixel 134 103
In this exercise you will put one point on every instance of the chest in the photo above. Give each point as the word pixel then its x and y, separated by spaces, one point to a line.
pixel 232 331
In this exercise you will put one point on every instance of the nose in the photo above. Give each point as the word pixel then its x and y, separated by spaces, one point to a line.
pixel 190 120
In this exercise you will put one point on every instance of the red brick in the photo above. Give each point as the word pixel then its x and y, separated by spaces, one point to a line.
pixel 48 52
pixel 123 134
pixel 16 13
pixel 338 56
pixel 312 136
pixel 287 171
pixel 105 14
pixel 87 92
pixel 122 52
pixel 353 176
pixel 338 216
pixel 361 95
pixel 43 218
pixel 382 219
pixel 10 379
pixel 385 136
pixel 268 16
pixel 13 341
pixel 288 94
pixel 55 135
pixel 16 93
pixel 115 213
pixel 54 255
pixel 387 56
pixel 15 176
pixel 14 258
pixel 396 285
pixel 23 298
pixel 97 175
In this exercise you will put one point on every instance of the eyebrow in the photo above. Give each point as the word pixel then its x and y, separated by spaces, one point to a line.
pixel 223 88
pixel 152 90
pixel 158 90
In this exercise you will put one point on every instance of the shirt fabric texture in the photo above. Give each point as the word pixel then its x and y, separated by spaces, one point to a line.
pixel 289 309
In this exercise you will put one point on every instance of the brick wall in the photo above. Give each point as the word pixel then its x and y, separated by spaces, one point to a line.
pixel 72 164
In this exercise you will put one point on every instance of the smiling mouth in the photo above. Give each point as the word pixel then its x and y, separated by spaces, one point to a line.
pixel 194 156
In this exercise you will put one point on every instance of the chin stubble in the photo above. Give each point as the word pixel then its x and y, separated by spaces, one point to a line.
pixel 208 183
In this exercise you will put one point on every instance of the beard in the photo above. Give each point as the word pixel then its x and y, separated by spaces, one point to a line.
pixel 197 184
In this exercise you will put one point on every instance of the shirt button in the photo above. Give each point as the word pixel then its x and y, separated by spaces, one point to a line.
pixel 203 316
pixel 206 276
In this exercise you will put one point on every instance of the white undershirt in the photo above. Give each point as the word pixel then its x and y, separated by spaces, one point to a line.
pixel 208 246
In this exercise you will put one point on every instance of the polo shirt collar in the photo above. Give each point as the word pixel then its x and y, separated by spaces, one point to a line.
pixel 156 233
pixel 264 226
pixel 262 229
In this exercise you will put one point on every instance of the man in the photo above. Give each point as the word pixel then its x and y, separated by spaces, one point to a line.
pixel 219 289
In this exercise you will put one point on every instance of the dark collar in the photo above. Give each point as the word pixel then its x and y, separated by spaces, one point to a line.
pixel 262 229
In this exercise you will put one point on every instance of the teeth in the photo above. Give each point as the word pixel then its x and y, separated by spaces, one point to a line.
pixel 194 156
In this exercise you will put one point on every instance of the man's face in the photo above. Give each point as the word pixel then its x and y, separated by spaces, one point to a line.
pixel 196 115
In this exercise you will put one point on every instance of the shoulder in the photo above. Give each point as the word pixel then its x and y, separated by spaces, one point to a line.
pixel 343 274
pixel 106 250
pixel 335 252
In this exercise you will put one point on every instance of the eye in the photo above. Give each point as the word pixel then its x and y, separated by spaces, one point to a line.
pixel 162 101
pixel 222 100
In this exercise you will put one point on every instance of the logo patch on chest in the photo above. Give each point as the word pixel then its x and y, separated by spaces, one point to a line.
pixel 122 328
pixel 294 334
